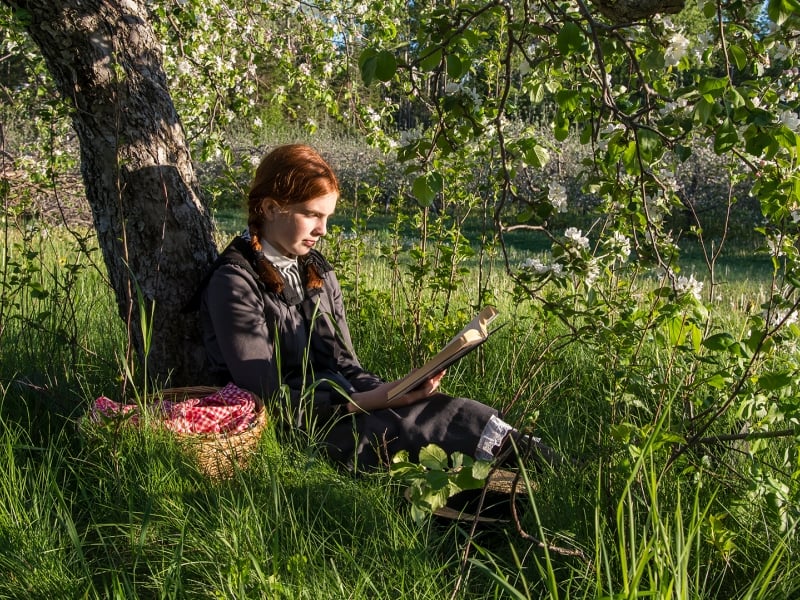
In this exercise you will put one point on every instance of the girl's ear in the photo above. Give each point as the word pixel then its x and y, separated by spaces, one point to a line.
pixel 268 208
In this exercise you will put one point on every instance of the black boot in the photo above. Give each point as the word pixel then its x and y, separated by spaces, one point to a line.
pixel 520 446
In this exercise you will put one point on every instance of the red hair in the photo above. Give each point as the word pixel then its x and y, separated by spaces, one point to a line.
pixel 290 174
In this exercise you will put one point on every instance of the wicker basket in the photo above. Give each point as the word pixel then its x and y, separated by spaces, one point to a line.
pixel 217 455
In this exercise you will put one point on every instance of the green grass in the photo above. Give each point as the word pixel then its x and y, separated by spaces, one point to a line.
pixel 129 515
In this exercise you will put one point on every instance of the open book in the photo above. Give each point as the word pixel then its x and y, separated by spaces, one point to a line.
pixel 473 335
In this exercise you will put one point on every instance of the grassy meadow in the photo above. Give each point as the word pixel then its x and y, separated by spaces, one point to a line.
pixel 126 514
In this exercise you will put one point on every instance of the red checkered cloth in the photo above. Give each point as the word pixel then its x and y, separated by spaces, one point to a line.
pixel 228 410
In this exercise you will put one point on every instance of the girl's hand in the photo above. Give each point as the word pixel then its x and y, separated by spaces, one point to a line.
pixel 378 398
pixel 424 390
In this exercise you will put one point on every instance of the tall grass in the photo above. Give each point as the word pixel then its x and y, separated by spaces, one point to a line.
pixel 126 514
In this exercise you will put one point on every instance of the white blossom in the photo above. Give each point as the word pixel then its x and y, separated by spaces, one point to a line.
pixel 789 118
pixel 781 51
pixel 668 179
pixel 689 285
pixel 452 88
pixel 678 46
pixel 592 273
pixel 536 265
pixel 557 196
pixel 706 38
pixel 774 245
pixel 775 317
pixel 621 245
pixel 473 95
pixel 576 235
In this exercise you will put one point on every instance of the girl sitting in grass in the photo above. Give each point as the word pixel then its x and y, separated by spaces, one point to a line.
pixel 273 318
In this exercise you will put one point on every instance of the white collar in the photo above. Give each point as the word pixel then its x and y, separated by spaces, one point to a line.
pixel 271 253
pixel 275 257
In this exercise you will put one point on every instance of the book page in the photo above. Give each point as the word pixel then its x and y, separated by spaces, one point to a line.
pixel 474 334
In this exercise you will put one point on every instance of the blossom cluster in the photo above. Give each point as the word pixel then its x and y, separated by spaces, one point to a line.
pixel 557 196
pixel 454 88
pixel 572 257
pixel 688 286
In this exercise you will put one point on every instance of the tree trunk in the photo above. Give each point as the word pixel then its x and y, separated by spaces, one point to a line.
pixel 628 11
pixel 154 230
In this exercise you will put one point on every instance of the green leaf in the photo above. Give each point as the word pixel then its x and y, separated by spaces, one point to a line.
pixel 536 93
pixel 433 457
pixel 436 498
pixel 568 99
pixel 37 290
pixel 630 158
pixel 386 65
pixel 570 39
pixel 780 10
pixel 561 128
pixel 368 63
pixel 650 144
pixel 775 381
pixel 719 341
pixel 622 432
pixel 739 56
pixel 709 10
pixel 537 156
pixel 726 137
pixel 430 58
pixel 713 86
pixel 717 380
pixel 704 110
pixel 481 469
pixel 422 190
pixel 455 68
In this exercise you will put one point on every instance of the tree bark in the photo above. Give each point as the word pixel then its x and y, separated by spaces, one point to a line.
pixel 154 229
pixel 628 11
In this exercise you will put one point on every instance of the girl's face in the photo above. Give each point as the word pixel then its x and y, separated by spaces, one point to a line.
pixel 294 230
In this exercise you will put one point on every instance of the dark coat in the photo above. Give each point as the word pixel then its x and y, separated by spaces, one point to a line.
pixel 261 343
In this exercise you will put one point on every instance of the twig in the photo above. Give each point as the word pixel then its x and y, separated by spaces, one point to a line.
pixel 518 525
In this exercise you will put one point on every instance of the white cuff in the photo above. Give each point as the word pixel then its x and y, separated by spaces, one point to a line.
pixel 492 438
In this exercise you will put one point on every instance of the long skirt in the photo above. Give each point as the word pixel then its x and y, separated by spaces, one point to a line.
pixel 364 442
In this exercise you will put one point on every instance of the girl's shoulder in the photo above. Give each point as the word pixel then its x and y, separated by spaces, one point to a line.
pixel 232 261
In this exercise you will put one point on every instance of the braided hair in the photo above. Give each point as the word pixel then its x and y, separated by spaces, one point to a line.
pixel 289 174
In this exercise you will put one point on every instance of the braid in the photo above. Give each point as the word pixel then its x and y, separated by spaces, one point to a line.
pixel 264 269
pixel 313 276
